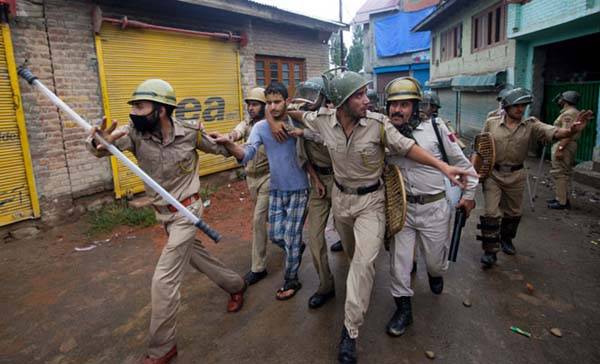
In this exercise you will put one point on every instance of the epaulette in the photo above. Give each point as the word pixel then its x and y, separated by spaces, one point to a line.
pixel 376 116
pixel 532 119
pixel 192 124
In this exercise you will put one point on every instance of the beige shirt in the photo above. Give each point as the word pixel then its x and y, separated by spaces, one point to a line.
pixel 357 160
pixel 567 117
pixel 259 165
pixel 420 179
pixel 512 144
pixel 174 163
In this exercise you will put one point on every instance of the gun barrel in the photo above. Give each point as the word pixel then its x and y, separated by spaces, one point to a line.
pixel 459 223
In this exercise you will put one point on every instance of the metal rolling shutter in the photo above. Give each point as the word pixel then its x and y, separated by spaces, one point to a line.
pixel 18 198
pixel 205 74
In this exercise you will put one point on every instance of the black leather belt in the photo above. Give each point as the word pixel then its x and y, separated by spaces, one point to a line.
pixel 323 170
pixel 425 199
pixel 363 190
pixel 507 167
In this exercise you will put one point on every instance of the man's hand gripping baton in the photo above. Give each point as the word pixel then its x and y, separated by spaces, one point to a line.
pixel 198 222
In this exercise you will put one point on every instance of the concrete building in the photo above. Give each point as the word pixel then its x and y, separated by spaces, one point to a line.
pixel 554 44
pixel 94 53
pixel 472 58
pixel 391 50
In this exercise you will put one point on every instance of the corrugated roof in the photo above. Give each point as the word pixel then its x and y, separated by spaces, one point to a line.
pixel 374 7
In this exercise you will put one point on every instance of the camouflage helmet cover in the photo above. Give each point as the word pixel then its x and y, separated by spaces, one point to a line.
pixel 155 90
pixel 340 87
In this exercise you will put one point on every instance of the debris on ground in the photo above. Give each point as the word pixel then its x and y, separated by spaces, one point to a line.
pixel 519 331
pixel 430 354
pixel 530 288
pixel 93 245
pixel 467 303
pixel 556 332
pixel 206 203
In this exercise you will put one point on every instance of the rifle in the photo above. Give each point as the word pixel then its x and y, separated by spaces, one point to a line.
pixel 459 223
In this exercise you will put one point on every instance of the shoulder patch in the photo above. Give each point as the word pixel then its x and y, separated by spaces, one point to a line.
pixel 377 116
pixel 192 124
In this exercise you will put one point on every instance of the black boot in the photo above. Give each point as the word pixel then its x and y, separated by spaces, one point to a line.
pixel 488 259
pixel 436 284
pixel 490 239
pixel 402 317
pixel 347 353
pixel 508 231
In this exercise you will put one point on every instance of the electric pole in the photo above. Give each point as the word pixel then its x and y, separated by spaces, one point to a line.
pixel 342 58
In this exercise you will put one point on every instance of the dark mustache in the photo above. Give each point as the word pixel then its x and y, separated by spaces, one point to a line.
pixel 398 114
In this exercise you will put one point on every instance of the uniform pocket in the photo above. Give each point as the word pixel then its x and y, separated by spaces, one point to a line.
pixel 369 154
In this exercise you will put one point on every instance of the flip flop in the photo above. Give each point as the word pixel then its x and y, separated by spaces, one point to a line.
pixel 293 286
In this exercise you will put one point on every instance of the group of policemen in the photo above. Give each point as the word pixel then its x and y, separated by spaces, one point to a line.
pixel 347 146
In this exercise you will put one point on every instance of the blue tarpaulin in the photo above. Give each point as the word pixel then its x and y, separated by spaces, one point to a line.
pixel 393 35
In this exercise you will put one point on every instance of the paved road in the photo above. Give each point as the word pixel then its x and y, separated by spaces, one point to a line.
pixel 61 306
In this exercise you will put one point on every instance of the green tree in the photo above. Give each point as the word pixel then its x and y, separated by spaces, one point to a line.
pixel 334 49
pixel 355 56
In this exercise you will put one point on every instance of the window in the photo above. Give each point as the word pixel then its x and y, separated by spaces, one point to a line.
pixel 489 27
pixel 289 71
pixel 451 43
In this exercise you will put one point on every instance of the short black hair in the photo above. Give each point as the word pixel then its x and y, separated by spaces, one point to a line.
pixel 275 88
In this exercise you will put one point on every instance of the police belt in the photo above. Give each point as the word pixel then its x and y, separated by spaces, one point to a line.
pixel 172 209
pixel 425 199
pixel 327 171
pixel 363 190
pixel 507 167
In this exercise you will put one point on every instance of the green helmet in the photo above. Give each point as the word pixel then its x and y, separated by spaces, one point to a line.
pixel 154 90
pixel 572 97
pixel 309 90
pixel 517 96
pixel 507 88
pixel 431 99
pixel 372 95
pixel 340 87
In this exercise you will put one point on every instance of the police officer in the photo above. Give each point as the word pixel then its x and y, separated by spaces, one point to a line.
pixel 503 189
pixel 257 178
pixel 315 154
pixel 373 100
pixel 165 148
pixel 429 106
pixel 356 139
pixel 497 112
pixel 428 212
pixel 563 152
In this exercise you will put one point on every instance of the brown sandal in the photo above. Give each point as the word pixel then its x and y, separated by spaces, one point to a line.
pixel 293 286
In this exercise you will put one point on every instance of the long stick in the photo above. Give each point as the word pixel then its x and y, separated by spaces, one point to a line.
pixel 529 191
pixel 199 223
pixel 539 173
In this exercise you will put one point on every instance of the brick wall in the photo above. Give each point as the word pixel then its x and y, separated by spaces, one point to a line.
pixel 57 39
pixel 282 41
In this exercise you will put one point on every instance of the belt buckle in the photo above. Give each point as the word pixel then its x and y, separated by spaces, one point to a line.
pixel 421 199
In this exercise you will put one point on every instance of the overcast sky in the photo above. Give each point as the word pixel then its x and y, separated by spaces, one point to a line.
pixel 323 9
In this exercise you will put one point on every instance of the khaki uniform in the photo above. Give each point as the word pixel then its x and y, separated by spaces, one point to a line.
pixel 562 168
pixel 359 219
pixel 497 112
pixel 174 164
pixel 257 178
pixel 503 190
pixel 427 223
pixel 318 209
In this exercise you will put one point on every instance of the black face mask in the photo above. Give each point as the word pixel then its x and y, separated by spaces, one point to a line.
pixel 145 123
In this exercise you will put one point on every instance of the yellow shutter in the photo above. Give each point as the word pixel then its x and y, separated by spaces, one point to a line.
pixel 18 197
pixel 205 74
